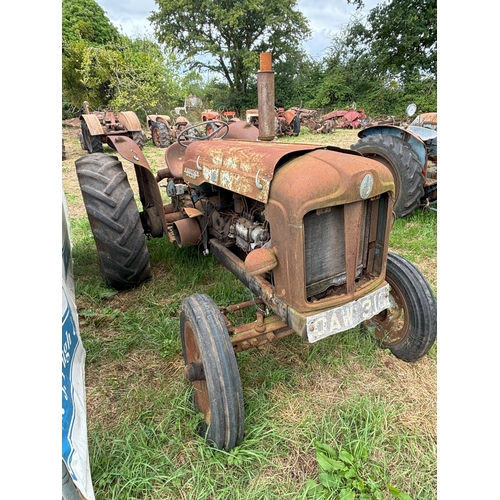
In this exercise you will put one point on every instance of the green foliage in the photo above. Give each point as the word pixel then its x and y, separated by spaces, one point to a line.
pixel 86 20
pixel 129 75
pixel 344 476
pixel 382 62
pixel 403 35
pixel 385 61
pixel 230 33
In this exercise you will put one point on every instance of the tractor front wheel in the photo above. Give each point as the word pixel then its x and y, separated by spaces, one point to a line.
pixel 210 366
pixel 114 220
pixel 399 157
pixel 409 327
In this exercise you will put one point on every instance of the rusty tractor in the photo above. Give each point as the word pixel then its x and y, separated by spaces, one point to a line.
pixel 163 132
pixel 221 114
pixel 305 227
pixel 98 125
pixel 285 122
pixel 410 153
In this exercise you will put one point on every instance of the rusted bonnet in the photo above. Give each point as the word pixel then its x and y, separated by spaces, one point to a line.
pixel 244 167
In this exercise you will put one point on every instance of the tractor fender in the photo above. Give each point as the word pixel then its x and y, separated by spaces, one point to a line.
pixel 158 118
pixel 148 186
pixel 416 143
pixel 93 123
pixel 129 120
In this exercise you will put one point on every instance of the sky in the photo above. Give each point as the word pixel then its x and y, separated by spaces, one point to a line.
pixel 325 18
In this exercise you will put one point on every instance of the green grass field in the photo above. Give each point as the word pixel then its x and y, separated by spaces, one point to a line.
pixel 320 418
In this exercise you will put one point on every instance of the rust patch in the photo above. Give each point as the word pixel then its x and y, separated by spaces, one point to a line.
pixel 244 167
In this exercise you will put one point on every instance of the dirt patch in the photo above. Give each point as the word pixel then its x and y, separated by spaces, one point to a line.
pixel 72 122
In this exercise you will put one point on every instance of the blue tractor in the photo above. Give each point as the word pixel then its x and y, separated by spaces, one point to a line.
pixel 410 153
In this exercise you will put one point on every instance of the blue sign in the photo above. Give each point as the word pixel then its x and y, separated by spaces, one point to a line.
pixel 70 342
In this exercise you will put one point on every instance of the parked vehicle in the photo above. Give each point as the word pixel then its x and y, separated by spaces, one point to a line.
pixel 221 114
pixel 160 128
pixel 163 132
pixel 97 126
pixel 304 226
pixel 410 153
pixel 285 122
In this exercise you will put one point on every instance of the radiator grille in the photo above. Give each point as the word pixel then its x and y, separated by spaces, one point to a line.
pixel 325 247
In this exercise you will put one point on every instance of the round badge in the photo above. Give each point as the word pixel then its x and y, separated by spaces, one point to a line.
pixel 366 186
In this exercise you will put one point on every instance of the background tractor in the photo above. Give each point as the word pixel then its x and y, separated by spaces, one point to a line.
pixel 285 122
pixel 98 125
pixel 410 153
pixel 221 114
pixel 305 227
pixel 163 132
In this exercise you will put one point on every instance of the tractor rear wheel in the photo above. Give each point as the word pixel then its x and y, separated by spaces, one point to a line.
pixel 409 327
pixel 139 137
pixel 210 366
pixel 114 220
pixel 91 143
pixel 160 135
pixel 296 125
pixel 398 156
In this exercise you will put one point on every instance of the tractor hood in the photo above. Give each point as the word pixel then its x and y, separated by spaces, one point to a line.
pixel 244 167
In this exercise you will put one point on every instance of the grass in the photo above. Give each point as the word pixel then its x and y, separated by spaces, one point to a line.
pixel 343 392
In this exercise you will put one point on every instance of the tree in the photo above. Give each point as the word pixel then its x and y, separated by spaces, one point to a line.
pixel 86 20
pixel 129 75
pixel 384 61
pixel 230 32
pixel 105 68
pixel 403 35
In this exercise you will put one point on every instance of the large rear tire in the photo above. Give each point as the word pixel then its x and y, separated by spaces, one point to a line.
pixel 91 143
pixel 139 137
pixel 115 221
pixel 409 327
pixel 403 163
pixel 160 135
pixel 296 125
pixel 213 372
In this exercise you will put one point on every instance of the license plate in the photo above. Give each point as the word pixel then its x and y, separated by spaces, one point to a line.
pixel 342 318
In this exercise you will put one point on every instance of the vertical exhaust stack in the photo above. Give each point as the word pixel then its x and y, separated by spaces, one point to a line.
pixel 265 96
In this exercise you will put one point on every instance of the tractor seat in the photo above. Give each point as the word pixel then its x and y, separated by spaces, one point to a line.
pixel 174 158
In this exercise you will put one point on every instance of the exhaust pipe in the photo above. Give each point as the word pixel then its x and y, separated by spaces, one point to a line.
pixel 187 232
pixel 265 96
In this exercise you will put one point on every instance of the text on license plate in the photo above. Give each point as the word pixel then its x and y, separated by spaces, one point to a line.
pixel 349 315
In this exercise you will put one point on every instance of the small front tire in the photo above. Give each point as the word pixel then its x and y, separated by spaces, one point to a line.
pixel 213 372
pixel 409 327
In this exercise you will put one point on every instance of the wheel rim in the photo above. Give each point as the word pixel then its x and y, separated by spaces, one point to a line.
pixel 200 390
pixel 156 136
pixel 390 327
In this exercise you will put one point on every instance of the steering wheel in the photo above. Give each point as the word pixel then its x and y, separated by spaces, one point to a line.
pixel 203 131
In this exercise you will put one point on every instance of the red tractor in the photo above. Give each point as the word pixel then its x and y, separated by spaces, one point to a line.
pixel 285 122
